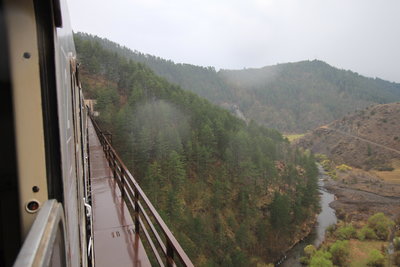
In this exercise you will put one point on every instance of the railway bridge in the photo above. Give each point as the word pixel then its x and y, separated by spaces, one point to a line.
pixel 125 222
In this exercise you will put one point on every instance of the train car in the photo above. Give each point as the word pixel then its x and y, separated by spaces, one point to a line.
pixel 48 137
pixel 45 200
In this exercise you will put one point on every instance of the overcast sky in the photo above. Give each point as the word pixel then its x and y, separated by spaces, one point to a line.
pixel 361 35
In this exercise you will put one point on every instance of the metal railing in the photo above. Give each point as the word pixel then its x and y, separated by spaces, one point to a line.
pixel 45 243
pixel 137 203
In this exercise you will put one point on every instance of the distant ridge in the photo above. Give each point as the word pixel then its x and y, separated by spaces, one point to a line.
pixel 296 97
pixel 290 97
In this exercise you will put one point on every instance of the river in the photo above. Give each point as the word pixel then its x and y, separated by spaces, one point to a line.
pixel 325 218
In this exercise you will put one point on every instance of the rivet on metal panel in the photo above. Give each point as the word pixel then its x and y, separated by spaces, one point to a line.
pixel 27 55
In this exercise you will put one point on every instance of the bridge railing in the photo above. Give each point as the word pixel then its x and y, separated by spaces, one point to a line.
pixel 141 210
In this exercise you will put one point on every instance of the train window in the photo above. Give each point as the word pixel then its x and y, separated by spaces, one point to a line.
pixel 49 98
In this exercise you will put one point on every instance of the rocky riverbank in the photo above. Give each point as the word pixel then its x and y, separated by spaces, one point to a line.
pixel 306 229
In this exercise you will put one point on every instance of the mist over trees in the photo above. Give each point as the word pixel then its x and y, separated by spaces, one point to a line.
pixel 291 97
pixel 234 194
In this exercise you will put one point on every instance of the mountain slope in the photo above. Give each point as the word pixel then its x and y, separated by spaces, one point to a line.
pixel 296 97
pixel 203 81
pixel 234 194
pixel 369 138
pixel 291 97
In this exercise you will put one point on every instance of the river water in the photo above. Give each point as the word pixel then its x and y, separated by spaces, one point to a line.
pixel 325 218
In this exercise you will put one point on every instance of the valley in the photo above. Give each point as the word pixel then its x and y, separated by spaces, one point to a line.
pixel 225 182
pixel 234 193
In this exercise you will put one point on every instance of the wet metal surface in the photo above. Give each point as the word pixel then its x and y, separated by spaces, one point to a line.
pixel 115 241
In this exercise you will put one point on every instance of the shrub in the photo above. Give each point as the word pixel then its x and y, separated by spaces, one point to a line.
pixel 376 258
pixel 366 233
pixel 345 232
pixel 326 164
pixel 304 260
pixel 381 225
pixel 332 174
pixel 386 168
pixel 340 252
pixel 321 259
pixel 343 167
pixel 396 243
pixel 309 250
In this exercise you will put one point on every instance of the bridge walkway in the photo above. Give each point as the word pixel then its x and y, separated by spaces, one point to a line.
pixel 115 241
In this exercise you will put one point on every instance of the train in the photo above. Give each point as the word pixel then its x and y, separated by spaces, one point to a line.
pixel 45 196
pixel 48 134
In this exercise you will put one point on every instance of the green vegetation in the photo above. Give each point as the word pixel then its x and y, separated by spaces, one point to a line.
pixel 343 168
pixel 321 259
pixel 360 252
pixel 378 228
pixel 309 250
pixel 340 252
pixel 291 97
pixel 343 249
pixel 376 258
pixel 345 232
pixel 327 164
pixel 234 194
pixel 381 225
pixel 292 137
pixel 396 243
pixel 366 233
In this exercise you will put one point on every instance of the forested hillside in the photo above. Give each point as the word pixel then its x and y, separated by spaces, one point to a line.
pixel 292 97
pixel 234 194
pixel 203 81
pixel 296 97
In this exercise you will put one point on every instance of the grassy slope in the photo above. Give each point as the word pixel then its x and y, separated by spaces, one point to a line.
pixel 360 250
pixel 390 176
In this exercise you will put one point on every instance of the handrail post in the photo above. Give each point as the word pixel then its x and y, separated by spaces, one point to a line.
pixel 137 210
pixel 122 182
pixel 107 150
pixel 170 253
pixel 114 166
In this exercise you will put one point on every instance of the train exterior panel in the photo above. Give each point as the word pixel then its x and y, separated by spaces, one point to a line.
pixel 69 110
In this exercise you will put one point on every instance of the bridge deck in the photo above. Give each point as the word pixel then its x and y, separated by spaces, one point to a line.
pixel 115 241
